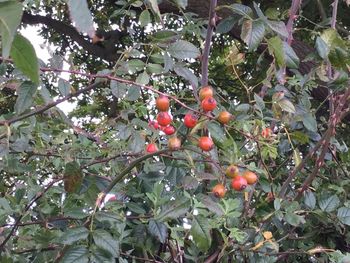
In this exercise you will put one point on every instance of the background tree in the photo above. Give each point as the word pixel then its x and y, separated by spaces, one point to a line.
pixel 153 165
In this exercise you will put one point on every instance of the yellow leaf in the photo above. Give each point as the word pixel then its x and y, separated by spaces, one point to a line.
pixel 267 235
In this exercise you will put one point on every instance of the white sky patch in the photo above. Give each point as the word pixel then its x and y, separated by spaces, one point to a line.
pixel 43 51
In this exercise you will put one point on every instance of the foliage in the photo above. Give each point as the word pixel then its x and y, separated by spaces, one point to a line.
pixel 79 186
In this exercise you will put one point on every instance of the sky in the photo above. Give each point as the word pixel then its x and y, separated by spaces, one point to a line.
pixel 42 50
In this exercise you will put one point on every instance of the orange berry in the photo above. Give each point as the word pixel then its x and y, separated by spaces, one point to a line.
pixel 205 92
pixel 251 177
pixel 219 190
pixel 174 143
pixel 224 117
pixel 162 103
pixel 205 143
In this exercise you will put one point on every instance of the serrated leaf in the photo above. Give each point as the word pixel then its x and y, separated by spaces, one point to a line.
pixel 143 78
pixel 76 254
pixel 286 105
pixel 134 93
pixel 242 10
pixel 186 73
pixel 174 209
pixel 155 8
pixel 118 89
pixel 164 36
pixel 26 93
pixel 73 235
pixel 216 132
pixel 259 102
pixel 309 199
pixel 310 122
pixel 252 33
pixel 81 17
pixel 276 49
pixel 153 68
pixel 291 58
pixel 10 19
pixel 24 58
pixel 322 48
pixel 105 241
pixel 212 205
pixel 226 24
pixel 201 232
pixel 279 27
pixel 329 203
pixel 294 219
pixel 182 49
pixel 344 215
pixel 158 229
pixel 145 18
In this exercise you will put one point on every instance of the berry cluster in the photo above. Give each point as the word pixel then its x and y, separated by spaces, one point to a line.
pixel 205 143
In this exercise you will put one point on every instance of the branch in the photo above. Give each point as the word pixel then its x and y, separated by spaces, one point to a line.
pixel 292 16
pixel 334 14
pixel 67 30
pixel 18 220
pixel 210 30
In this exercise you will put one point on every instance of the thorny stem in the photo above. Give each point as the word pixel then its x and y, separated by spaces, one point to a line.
pixel 208 38
pixel 292 16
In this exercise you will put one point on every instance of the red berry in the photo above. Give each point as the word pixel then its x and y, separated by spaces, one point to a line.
pixel 208 104
pixel 266 133
pixel 163 118
pixel 239 183
pixel 205 143
pixel 153 124
pixel 190 120
pixel 169 130
pixel 162 103
pixel 151 148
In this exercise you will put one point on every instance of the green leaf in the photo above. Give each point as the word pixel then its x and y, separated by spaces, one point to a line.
pixel 105 241
pixel 24 58
pixel 201 232
pixel 10 19
pixel 145 18
pixel 296 157
pixel 142 78
pixel 322 48
pixel 155 8
pixel 226 24
pixel 26 93
pixel 242 10
pixel 173 209
pixel 279 27
pixel 135 65
pixel 276 49
pixel 186 73
pixel 292 60
pixel 72 235
pixel 158 229
pixel 182 49
pixel 309 199
pixel 344 215
pixel 310 122
pixel 253 32
pixel 286 105
pixel 164 36
pixel 134 93
pixel 76 254
pixel 81 16
pixel 212 205
pixel 118 89
pixel 260 104
pixel 294 219
pixel 154 68
pixel 329 203
pixel 217 132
